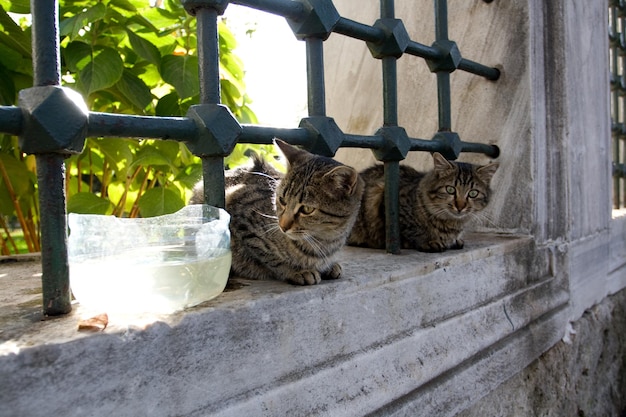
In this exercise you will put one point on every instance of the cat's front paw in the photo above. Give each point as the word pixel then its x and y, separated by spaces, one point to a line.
pixel 457 244
pixel 305 278
pixel 432 246
pixel 333 273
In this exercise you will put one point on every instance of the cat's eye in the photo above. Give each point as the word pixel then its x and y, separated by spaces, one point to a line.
pixel 473 194
pixel 450 190
pixel 306 210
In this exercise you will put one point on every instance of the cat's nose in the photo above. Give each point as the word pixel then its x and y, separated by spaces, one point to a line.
pixel 460 205
pixel 285 223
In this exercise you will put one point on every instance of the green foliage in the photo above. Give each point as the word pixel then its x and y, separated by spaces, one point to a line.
pixel 123 56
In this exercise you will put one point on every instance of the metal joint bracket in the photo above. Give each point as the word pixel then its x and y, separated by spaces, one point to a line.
pixel 318 21
pixel 55 120
pixel 396 144
pixel 218 130
pixel 192 6
pixel 450 57
pixel 396 39
pixel 326 135
pixel 451 142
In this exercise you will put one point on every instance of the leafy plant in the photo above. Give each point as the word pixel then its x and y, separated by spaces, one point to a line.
pixel 123 56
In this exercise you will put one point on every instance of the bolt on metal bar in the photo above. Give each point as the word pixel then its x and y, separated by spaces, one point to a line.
pixel 50 168
pixel 209 76
pixel 315 76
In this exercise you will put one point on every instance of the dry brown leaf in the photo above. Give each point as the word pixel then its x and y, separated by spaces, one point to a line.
pixel 94 324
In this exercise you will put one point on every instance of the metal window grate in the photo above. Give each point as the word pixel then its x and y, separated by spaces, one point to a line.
pixel 617 57
pixel 210 130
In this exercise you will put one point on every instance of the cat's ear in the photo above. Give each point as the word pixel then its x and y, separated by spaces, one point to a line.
pixel 441 163
pixel 486 172
pixel 344 178
pixel 291 152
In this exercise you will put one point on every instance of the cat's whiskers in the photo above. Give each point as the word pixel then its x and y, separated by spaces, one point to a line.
pixel 268 216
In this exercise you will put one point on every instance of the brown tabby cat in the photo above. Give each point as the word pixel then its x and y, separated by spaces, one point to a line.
pixel 434 206
pixel 291 227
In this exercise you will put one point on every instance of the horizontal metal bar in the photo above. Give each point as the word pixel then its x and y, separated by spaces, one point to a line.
pixel 490 150
pixel 122 125
pixel 360 141
pixel 11 120
pixel 264 135
pixel 422 51
pixel 358 30
pixel 479 69
pixel 290 9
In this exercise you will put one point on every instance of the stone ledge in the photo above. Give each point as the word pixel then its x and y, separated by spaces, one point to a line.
pixel 393 324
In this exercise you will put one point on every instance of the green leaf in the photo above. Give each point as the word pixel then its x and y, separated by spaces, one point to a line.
pixel 72 26
pixel 103 71
pixel 150 155
pixel 16 6
pixel 21 183
pixel 77 55
pixel 87 203
pixel 7 88
pixel 135 90
pixel 144 48
pixel 13 35
pixel 182 73
pixel 158 201
pixel 169 105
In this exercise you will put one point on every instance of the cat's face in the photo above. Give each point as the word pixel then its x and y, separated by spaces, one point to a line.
pixel 318 199
pixel 457 190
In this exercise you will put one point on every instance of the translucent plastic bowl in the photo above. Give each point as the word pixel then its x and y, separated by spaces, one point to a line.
pixel 155 265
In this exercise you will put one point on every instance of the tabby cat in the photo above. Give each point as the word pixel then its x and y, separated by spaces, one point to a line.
pixel 290 227
pixel 434 206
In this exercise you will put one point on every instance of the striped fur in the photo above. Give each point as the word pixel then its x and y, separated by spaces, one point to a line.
pixel 290 227
pixel 434 206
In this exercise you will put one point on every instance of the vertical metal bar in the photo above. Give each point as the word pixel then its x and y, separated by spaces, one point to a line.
pixel 390 118
pixel 208 56
pixel 443 78
pixel 50 168
pixel 444 102
pixel 209 76
pixel 315 76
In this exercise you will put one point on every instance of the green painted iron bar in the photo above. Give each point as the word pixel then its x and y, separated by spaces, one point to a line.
pixel 387 9
pixel 358 30
pixel 443 78
pixel 422 51
pixel 479 69
pixel 392 206
pixel 315 76
pixel 208 56
pixel 11 120
pixel 127 126
pixel 390 91
pixel 390 118
pixel 360 141
pixel 287 8
pixel 264 135
pixel 209 77
pixel 444 102
pixel 441 20
pixel 491 151
pixel 55 276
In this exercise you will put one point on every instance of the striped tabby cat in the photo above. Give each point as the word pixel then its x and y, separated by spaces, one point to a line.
pixel 434 206
pixel 291 227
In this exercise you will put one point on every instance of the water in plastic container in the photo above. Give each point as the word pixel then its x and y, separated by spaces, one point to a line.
pixel 157 265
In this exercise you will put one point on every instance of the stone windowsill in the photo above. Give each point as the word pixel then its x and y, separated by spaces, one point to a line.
pixel 390 326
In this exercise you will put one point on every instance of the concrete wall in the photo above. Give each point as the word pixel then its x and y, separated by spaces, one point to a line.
pixel 409 335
